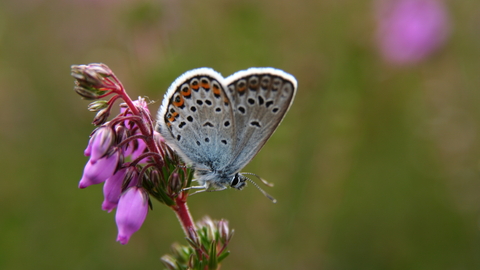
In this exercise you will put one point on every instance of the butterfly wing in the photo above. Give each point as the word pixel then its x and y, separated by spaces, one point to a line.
pixel 196 119
pixel 260 98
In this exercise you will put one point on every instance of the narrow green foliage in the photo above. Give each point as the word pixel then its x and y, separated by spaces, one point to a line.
pixel 206 252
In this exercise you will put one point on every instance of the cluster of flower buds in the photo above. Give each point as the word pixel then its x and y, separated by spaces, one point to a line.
pixel 207 249
pixel 125 153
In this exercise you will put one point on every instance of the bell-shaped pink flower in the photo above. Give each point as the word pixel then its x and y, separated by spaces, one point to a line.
pixel 100 143
pixel 88 150
pixel 112 189
pixel 410 30
pixel 131 213
pixel 98 172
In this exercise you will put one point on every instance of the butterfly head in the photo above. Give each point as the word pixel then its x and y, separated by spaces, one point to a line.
pixel 238 181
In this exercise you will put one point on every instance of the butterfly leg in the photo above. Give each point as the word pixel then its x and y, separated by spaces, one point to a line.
pixel 204 188
pixel 195 187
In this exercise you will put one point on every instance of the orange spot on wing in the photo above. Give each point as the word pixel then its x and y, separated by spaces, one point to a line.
pixel 195 85
pixel 242 89
pixel 205 85
pixel 186 91
pixel 178 101
pixel 173 116
pixel 216 90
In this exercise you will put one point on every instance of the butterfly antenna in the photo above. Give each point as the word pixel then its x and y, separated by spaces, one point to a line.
pixel 261 190
pixel 261 179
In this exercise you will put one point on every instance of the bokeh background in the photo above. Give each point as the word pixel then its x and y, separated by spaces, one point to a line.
pixel 376 165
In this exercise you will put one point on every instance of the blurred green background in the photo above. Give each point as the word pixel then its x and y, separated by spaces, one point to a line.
pixel 375 166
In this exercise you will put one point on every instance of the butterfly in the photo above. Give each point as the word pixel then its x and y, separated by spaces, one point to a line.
pixel 217 125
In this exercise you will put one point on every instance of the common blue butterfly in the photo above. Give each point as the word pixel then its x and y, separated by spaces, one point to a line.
pixel 217 125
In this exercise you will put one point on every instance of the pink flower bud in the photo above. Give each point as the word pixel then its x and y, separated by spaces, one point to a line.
pixel 101 142
pixel 112 189
pixel 98 172
pixel 131 213
pixel 101 117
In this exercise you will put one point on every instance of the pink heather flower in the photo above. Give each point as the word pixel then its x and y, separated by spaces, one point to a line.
pixel 131 213
pixel 112 189
pixel 101 170
pixel 137 147
pixel 88 150
pixel 100 142
pixel 410 30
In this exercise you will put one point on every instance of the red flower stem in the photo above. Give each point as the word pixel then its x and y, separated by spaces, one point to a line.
pixel 149 141
pixel 184 216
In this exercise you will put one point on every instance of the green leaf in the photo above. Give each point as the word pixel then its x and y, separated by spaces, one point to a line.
pixel 213 262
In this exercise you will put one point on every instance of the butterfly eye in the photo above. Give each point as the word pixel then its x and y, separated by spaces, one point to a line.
pixel 234 181
pixel 238 182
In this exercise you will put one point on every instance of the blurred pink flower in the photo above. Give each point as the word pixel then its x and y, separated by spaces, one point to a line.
pixel 408 31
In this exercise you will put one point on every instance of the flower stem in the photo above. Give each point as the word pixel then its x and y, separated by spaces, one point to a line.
pixel 184 216
pixel 149 141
